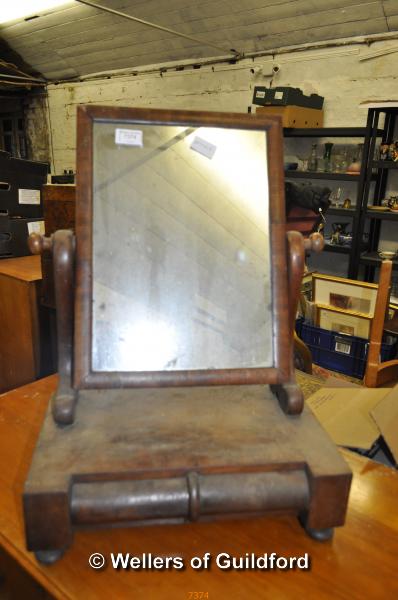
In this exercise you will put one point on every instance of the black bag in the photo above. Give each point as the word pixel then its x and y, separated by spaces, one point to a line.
pixel 311 197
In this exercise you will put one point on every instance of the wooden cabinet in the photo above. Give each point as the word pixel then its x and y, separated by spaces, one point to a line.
pixel 24 327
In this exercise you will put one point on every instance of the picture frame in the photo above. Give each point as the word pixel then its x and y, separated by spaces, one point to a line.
pixel 392 310
pixel 307 285
pixel 87 377
pixel 343 322
pixel 350 296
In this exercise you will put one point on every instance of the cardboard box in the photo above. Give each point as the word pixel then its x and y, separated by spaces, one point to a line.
pixel 355 416
pixel 294 116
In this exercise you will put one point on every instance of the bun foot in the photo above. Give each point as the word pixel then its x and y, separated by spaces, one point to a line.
pixel 48 557
pixel 320 535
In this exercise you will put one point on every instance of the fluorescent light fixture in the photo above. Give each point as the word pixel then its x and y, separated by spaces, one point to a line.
pixel 20 9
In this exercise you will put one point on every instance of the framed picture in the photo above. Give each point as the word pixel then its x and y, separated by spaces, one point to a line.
pixel 306 285
pixel 345 294
pixel 335 319
pixel 392 310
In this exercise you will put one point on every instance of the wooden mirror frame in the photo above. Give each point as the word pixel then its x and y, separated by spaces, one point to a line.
pixel 83 375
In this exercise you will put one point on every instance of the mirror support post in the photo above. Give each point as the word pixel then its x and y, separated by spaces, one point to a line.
pixel 289 394
pixel 62 245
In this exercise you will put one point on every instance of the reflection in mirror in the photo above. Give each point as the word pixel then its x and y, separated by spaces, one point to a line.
pixel 181 261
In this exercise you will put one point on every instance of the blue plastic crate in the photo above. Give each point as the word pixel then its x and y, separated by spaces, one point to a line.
pixel 338 351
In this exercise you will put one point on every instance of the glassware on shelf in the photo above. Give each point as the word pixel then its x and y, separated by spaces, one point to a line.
pixel 355 166
pixel 340 161
pixel 335 198
pixel 302 157
pixel 313 159
pixel 327 157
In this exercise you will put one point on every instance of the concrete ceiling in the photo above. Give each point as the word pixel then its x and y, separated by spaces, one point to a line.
pixel 76 40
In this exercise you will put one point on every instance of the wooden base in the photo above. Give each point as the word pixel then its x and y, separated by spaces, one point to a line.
pixel 173 455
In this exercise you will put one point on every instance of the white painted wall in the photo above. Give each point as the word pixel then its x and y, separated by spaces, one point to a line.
pixel 335 73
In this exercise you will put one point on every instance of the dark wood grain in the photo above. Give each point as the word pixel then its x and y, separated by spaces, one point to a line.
pixel 359 562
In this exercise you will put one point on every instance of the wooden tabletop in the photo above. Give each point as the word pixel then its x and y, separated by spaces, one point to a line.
pixel 25 268
pixel 360 561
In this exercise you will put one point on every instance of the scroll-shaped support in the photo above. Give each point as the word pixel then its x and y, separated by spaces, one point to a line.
pixel 62 245
pixel 289 394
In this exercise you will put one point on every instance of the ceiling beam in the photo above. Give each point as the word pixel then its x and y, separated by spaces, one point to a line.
pixel 235 54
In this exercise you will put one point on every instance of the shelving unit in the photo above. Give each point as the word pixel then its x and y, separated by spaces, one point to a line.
pixel 379 169
pixel 368 134
pixel 361 252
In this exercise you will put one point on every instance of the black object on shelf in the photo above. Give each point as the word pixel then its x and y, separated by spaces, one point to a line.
pixel 285 96
pixel 63 179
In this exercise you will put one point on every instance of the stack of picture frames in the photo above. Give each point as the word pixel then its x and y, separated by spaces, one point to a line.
pixel 344 305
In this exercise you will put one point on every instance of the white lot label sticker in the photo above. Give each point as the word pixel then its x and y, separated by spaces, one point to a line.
pixel 260 94
pixel 278 95
pixel 342 347
pixel 36 227
pixel 28 196
pixel 203 147
pixel 129 137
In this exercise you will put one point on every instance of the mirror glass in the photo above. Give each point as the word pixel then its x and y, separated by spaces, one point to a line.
pixel 181 257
